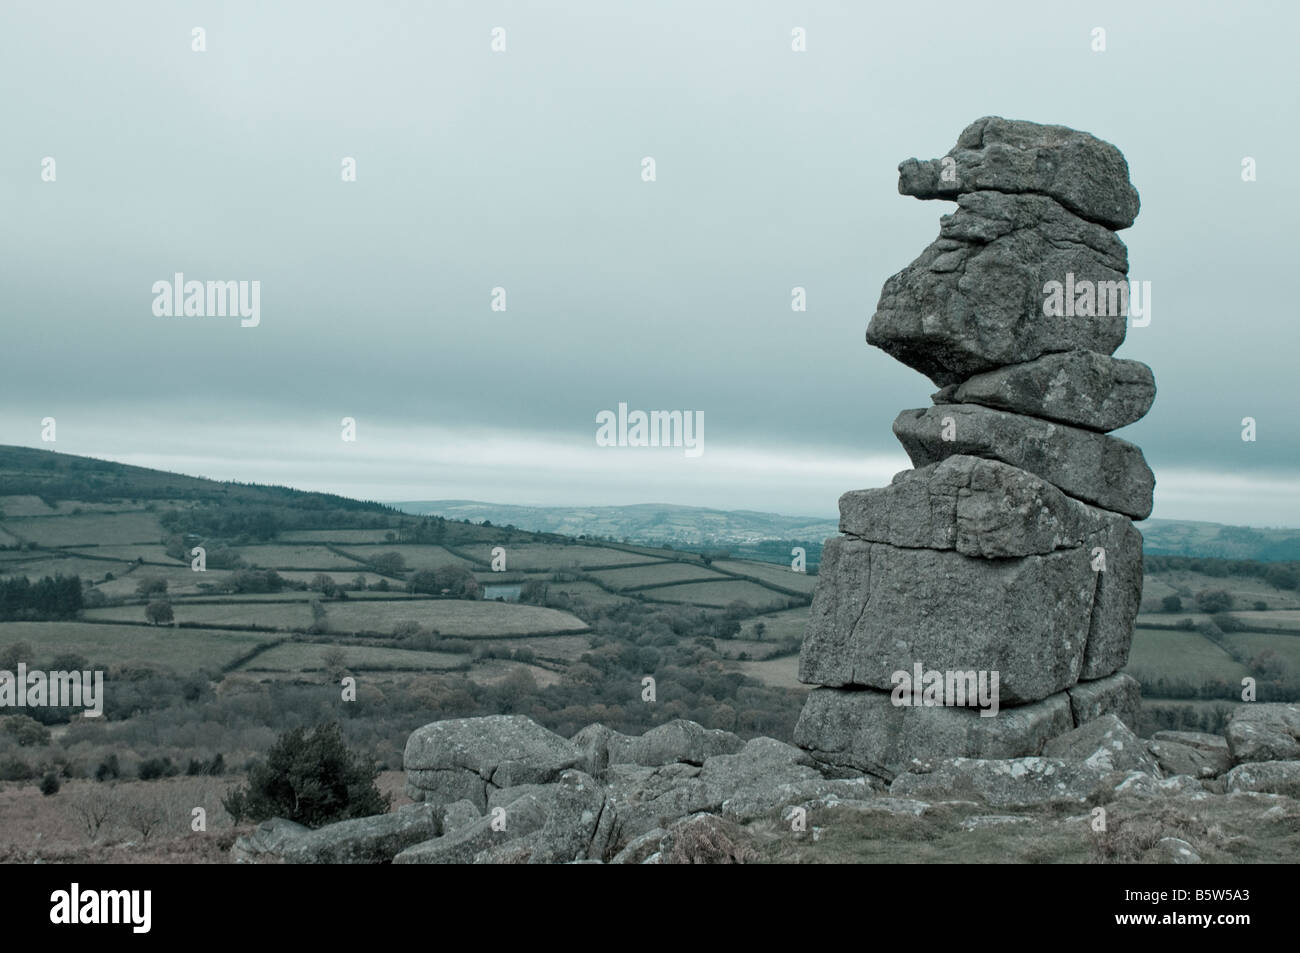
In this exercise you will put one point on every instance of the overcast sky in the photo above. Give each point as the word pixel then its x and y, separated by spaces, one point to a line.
pixel 522 169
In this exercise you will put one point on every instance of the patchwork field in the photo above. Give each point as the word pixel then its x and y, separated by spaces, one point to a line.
pixel 451 617
pixel 545 556
pixel 114 528
pixel 773 575
pixel 184 650
pixel 294 615
pixel 301 657
pixel 778 625
pixel 719 594
pixel 297 557
pixel 659 574
pixel 1186 655
pixel 416 555
pixel 780 672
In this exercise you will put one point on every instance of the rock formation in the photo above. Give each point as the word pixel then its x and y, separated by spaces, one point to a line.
pixel 1010 548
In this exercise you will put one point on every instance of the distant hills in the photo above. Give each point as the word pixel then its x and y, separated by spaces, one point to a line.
pixel 756 534
pixel 1190 538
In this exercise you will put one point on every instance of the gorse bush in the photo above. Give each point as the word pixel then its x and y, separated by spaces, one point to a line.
pixel 311 778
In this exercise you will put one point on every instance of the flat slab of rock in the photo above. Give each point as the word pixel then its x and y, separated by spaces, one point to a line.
pixel 1096 468
pixel 1118 694
pixel 975 506
pixel 865 731
pixel 1085 174
pixel 1106 744
pixel 464 757
pixel 1081 388
pixel 979 296
pixel 1019 782
pixel 1261 731
pixel 880 609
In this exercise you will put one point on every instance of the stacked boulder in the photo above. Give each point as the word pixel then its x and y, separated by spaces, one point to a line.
pixel 1010 549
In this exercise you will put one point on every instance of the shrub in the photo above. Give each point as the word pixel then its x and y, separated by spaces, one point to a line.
pixel 15 769
pixel 50 784
pixel 153 768
pixel 1214 600
pixel 108 769
pixel 151 585
pixel 1172 604
pixel 309 778
pixel 26 731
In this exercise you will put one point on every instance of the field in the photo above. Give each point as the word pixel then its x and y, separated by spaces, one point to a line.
pixel 416 556
pixel 183 650
pixel 292 615
pixel 779 672
pixel 777 625
pixel 113 528
pixel 452 618
pixel 531 556
pixel 719 594
pixel 297 557
pixel 657 574
pixel 303 657
pixel 1185 655
pixel 770 574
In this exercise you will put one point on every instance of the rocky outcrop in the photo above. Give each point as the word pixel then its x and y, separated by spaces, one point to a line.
pixel 1009 553
pixel 766 795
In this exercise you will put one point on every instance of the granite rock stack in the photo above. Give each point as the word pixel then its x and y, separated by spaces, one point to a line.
pixel 1009 550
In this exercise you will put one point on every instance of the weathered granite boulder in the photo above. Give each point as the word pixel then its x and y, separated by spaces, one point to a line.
pixel 570 830
pixel 1082 388
pixel 1175 758
pixel 864 730
pixel 880 609
pixel 1019 782
pixel 1096 468
pixel 976 506
pixel 978 297
pixel 1261 731
pixel 267 842
pixel 523 816
pixel 677 740
pixel 1171 850
pixel 1117 694
pixel 1267 777
pixel 1106 743
pixel 1085 174
pixel 466 757
pixel 365 840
